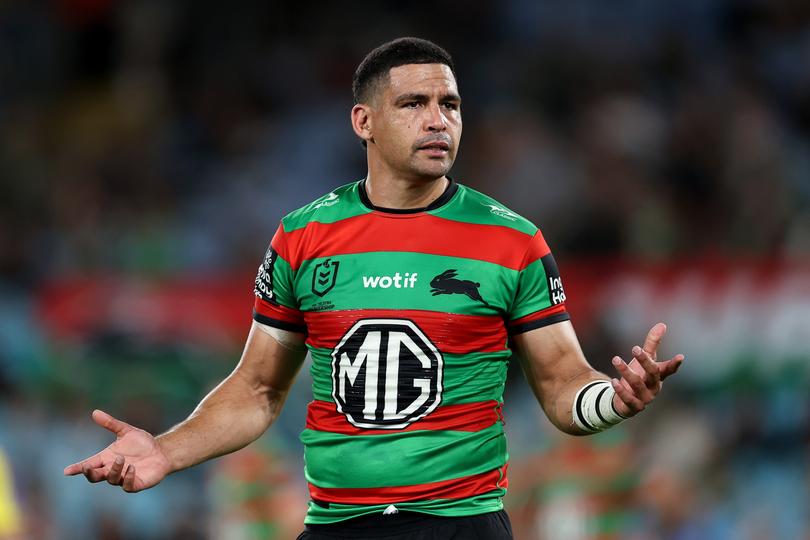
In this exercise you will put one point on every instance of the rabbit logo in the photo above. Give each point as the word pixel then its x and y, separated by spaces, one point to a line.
pixel 446 283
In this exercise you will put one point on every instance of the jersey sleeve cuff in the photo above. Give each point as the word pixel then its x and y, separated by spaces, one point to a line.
pixel 278 323
pixel 539 319
pixel 278 316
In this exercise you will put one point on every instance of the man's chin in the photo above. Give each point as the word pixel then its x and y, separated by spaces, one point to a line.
pixel 432 170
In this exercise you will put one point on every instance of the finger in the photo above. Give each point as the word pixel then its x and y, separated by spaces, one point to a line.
pixel 114 474
pixel 129 479
pixel 93 462
pixel 671 366
pixel 652 376
pixel 635 381
pixel 631 402
pixel 626 385
pixel 108 422
pixel 94 474
pixel 654 337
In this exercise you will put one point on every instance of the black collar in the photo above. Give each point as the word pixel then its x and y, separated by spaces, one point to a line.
pixel 443 199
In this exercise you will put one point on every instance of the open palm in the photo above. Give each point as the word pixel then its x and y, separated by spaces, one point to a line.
pixel 642 377
pixel 134 461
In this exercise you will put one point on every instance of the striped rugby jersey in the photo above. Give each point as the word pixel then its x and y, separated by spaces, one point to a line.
pixel 407 315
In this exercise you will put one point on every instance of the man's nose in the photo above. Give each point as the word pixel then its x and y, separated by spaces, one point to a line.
pixel 436 121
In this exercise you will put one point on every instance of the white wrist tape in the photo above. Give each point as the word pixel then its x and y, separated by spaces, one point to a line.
pixel 593 407
pixel 293 341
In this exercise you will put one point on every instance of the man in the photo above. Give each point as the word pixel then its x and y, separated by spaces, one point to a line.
pixel 405 287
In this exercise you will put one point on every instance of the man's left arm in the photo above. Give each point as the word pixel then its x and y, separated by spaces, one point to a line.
pixel 566 385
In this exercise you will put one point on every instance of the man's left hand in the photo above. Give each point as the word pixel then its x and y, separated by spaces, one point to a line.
pixel 641 379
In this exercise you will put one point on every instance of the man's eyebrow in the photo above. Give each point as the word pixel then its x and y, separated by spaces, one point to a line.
pixel 414 96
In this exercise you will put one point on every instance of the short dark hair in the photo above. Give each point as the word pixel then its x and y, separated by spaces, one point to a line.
pixel 399 52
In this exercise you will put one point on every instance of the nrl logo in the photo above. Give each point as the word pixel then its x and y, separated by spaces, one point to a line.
pixel 328 200
pixel 501 212
pixel 323 276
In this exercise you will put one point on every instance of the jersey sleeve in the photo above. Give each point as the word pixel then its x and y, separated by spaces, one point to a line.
pixel 539 299
pixel 275 304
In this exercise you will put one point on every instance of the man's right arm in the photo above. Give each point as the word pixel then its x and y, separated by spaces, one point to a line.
pixel 231 416
pixel 240 408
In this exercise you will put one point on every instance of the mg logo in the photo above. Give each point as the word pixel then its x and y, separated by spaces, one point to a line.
pixel 386 374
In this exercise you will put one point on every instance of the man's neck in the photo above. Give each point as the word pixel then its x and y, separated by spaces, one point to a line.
pixel 402 193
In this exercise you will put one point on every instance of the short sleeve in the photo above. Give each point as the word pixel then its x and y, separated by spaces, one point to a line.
pixel 275 304
pixel 539 299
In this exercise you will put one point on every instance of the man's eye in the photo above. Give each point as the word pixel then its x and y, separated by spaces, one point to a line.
pixel 412 104
pixel 451 106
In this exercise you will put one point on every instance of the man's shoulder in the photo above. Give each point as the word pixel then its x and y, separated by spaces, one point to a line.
pixel 476 207
pixel 338 204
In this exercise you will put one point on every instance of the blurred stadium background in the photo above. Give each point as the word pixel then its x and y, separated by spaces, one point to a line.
pixel 149 148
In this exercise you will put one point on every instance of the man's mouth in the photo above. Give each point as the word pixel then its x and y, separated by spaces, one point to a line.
pixel 436 148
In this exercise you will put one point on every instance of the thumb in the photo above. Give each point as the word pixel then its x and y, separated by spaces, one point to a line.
pixel 112 424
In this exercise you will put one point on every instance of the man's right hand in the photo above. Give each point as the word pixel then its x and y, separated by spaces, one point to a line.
pixel 135 461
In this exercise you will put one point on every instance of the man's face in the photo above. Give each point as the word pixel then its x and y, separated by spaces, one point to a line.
pixel 416 120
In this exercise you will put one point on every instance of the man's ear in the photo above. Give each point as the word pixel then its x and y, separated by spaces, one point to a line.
pixel 361 122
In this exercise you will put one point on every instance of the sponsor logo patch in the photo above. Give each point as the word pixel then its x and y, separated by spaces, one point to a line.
pixel 264 278
pixel 397 281
pixel 386 374
pixel 556 294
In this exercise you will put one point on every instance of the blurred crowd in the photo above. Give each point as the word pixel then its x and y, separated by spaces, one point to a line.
pixel 148 140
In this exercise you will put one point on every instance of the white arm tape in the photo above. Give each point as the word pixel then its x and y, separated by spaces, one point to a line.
pixel 593 407
pixel 293 341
